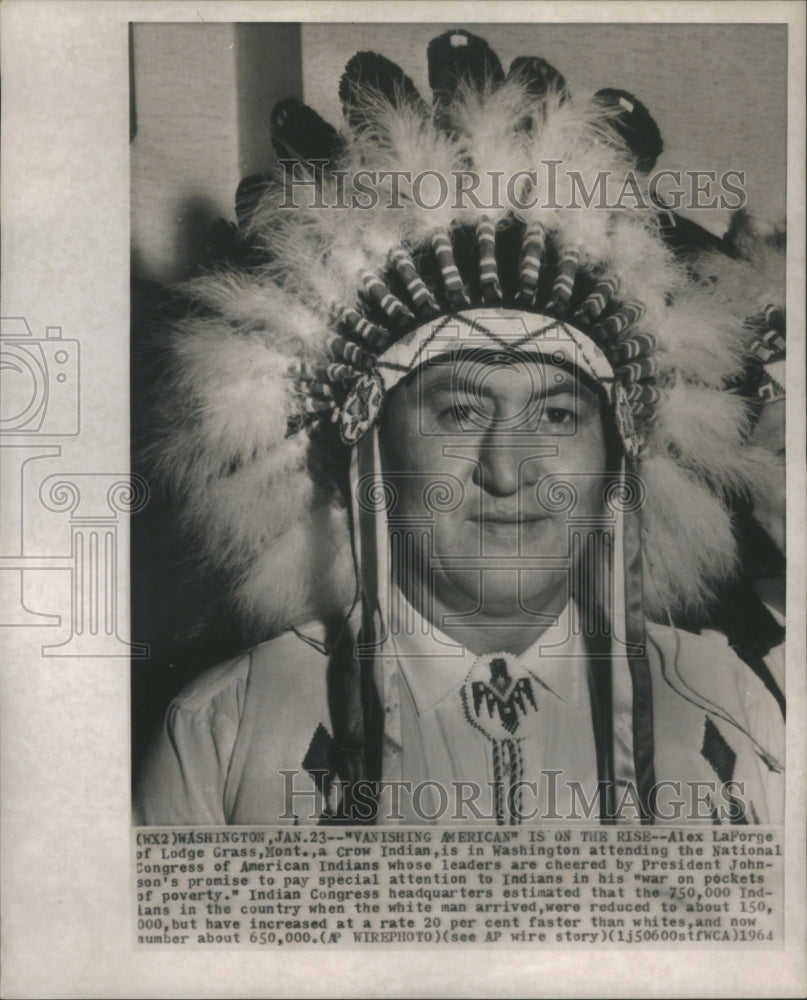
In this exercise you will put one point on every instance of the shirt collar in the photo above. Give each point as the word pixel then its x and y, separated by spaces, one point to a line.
pixel 433 666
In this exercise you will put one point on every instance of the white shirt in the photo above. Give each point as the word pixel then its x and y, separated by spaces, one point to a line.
pixel 452 731
pixel 233 733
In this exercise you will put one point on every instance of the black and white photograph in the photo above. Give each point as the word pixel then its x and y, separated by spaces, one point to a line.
pixel 472 420
pixel 395 551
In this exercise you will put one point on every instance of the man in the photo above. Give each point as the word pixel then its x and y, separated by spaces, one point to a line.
pixel 433 444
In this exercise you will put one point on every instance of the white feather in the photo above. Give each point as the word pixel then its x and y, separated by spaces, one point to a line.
pixel 702 337
pixel 308 573
pixel 706 428
pixel 687 539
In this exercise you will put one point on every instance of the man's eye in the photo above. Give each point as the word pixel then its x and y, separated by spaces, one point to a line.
pixel 558 416
pixel 456 413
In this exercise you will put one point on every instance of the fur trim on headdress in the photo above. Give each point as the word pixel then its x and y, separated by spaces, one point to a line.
pixel 261 368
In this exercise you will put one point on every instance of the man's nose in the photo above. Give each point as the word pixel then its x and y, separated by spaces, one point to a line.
pixel 506 465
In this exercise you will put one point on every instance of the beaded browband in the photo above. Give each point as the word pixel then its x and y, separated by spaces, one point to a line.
pixel 538 280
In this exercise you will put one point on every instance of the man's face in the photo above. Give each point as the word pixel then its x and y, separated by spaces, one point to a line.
pixel 495 437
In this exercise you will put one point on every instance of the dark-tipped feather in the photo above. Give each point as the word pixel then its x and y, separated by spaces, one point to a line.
pixel 538 77
pixel 369 75
pixel 458 58
pixel 635 125
pixel 298 132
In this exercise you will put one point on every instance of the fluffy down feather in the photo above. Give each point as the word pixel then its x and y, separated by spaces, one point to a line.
pixel 687 540
pixel 208 412
pixel 578 137
pixel 308 572
pixel 251 303
pixel 758 278
pixel 491 128
pixel 402 138
pixel 704 337
pixel 647 270
pixel 706 429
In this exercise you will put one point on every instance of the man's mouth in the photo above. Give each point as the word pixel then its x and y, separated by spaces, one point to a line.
pixel 517 517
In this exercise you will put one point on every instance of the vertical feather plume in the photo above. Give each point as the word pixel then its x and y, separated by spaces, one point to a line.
pixel 458 59
pixel 401 137
pixel 489 143
pixel 633 123
pixel 647 270
pixel 538 77
pixel 299 132
pixel 579 161
pixel 368 73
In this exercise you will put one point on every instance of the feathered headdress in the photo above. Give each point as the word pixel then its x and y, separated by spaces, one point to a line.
pixel 354 249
